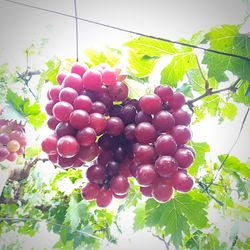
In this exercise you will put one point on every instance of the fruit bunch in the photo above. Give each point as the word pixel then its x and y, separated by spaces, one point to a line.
pixel 94 121
pixel 12 140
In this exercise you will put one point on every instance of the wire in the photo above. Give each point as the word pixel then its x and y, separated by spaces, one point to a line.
pixel 77 35
pixel 130 31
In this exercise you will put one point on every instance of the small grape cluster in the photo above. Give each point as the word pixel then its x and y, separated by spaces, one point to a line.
pixel 94 121
pixel 12 140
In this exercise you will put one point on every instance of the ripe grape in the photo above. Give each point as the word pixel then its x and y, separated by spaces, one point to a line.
pixel 165 145
pixel 86 137
pixel 67 146
pixel 118 92
pixel 146 191
pixel 127 114
pixel 145 174
pixel 182 117
pixel 52 122
pixel 163 121
pixel 129 132
pixel 104 157
pixel 96 174
pixel 13 146
pixel 65 162
pixel 90 191
pixel 82 102
pixel 166 166
pixel 162 190
pixel 92 80
pixel 88 153
pixel 115 126
pixel 49 145
pixel 98 122
pixel 119 185
pixel 54 93
pixel 184 157
pixel 104 197
pixel 144 154
pixel 4 153
pixel 49 107
pixel 145 133
pixel 182 181
pixel 164 92
pixel 12 156
pixel 120 153
pixel 177 101
pixel 60 77
pixel 112 168
pixel 142 117
pixel 73 81
pixel 62 111
pixel 109 76
pixel 64 128
pixel 106 142
pixel 4 138
pixel 68 95
pixel 79 119
pixel 150 104
pixel 99 107
pixel 79 68
pixel 181 134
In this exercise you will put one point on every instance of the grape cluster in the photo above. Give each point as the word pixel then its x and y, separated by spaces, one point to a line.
pixel 12 140
pixel 94 121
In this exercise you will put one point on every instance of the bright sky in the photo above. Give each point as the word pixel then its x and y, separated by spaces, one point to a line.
pixel 22 26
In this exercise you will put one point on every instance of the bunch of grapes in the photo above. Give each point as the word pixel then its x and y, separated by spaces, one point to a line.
pixel 12 140
pixel 94 121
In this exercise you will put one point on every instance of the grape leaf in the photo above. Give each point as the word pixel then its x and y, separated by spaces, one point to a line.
pixel 151 47
pixel 136 89
pixel 53 67
pixel 242 95
pixel 227 38
pixel 75 212
pixel 181 62
pixel 201 148
pixel 233 164
pixel 21 110
pixel 139 220
pixel 229 110
pixel 176 215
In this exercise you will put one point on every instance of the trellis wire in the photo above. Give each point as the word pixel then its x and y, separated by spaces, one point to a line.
pixel 130 31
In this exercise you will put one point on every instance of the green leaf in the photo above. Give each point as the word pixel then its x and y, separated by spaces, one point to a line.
pixel 33 151
pixel 151 47
pixel 177 215
pixel 227 38
pixel 242 95
pixel 75 212
pixel 229 110
pixel 201 148
pixel 136 89
pixel 139 220
pixel 186 89
pixel 233 164
pixel 53 67
pixel 133 195
pixel 180 64
pixel 141 66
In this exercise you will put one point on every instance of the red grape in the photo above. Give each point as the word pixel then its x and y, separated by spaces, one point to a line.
pixel 4 153
pixel 90 191
pixel 127 113
pixel 162 190
pixel 79 119
pixel 86 136
pixel 118 92
pixel 142 117
pixel 144 154
pixel 164 92
pixel 60 77
pixel 92 80
pixel 182 117
pixel 99 107
pixel 67 146
pixel 4 138
pixel 163 121
pixel 109 76
pixel 166 166
pixel 119 185
pixel 182 181
pixel 184 157
pixel 68 95
pixel 49 107
pixel 165 145
pixel 64 128
pixel 79 68
pixel 49 145
pixel 73 81
pixel 177 101
pixel 88 153
pixel 146 191
pixel 54 93
pixel 129 132
pixel 104 197
pixel 52 122
pixel 83 102
pixel 145 133
pixel 181 134
pixel 145 175
pixel 115 126
pixel 98 122
pixel 150 104
pixel 62 111
pixel 96 174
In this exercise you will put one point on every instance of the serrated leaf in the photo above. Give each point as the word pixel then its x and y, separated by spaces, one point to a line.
pixel 75 212
pixel 227 38
pixel 201 148
pixel 136 89
pixel 139 220
pixel 233 164
pixel 180 64
pixel 229 110
pixel 53 67
pixel 177 215
pixel 141 66
pixel 151 47
pixel 186 89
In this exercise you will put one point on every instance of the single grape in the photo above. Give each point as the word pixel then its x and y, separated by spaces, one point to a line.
pixel 92 80
pixel 162 190
pixel 115 126
pixel 181 134
pixel 13 146
pixel 189 148
pixel 118 92
pixel 12 156
pixel 145 133
pixel 98 122
pixel 165 145
pixel 52 122
pixel 64 128
pixel 96 174
pixel 129 132
pixel 60 77
pixel 73 81
pixel 49 107
pixel 67 146
pixel 119 185
pixel 102 91
pixel 128 113
pixel 86 137
pixel 79 119
pixel 106 142
pixel 90 191
pixel 184 157
pixel 49 144
pixel 150 104
pixel 4 138
pixel 144 154
pixel 182 117
pixel 109 76
pixel 4 153
pixel 164 92
pixel 68 95
pixel 163 121
pixel 79 68
pixel 182 181
pixel 62 111
pixel 88 153
pixel 166 166
pixel 112 168
pixel 104 197
pixel 99 107
pixel 142 117
pixel 146 191
pixel 177 101
pixel 145 174
pixel 82 102
pixel 54 93
pixel 104 157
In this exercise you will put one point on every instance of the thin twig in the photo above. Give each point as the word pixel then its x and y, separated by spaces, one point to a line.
pixel 162 238
pixel 130 31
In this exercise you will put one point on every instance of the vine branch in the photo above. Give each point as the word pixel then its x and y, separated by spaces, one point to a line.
pixel 162 238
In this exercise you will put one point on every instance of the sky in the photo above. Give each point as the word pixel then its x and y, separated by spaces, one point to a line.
pixel 20 27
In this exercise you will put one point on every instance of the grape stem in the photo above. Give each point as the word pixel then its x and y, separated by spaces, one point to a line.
pixel 209 91
pixel 162 238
